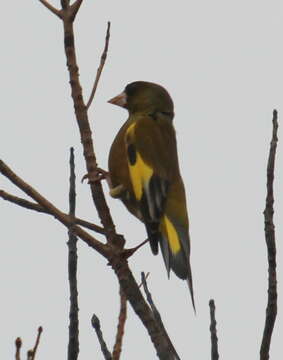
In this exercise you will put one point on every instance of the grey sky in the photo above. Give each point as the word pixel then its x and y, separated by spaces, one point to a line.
pixel 222 63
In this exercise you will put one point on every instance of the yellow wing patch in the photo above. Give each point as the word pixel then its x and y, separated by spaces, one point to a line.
pixel 171 234
pixel 140 172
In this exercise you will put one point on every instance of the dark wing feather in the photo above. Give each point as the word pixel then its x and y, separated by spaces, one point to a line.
pixel 150 148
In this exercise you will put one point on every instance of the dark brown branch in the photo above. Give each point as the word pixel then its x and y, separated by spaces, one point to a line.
pixel 68 14
pixel 48 206
pixel 33 351
pixel 121 327
pixel 72 190
pixel 172 351
pixel 213 332
pixel 101 65
pixel 18 344
pixel 75 8
pixel 141 308
pixel 96 325
pixel 269 228
pixel 65 4
pixel 73 346
pixel 85 131
pixel 36 207
pixel 51 8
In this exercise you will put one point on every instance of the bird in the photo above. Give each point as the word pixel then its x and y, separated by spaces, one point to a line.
pixel 144 174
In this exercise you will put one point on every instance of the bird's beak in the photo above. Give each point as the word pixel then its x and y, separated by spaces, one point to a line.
pixel 120 100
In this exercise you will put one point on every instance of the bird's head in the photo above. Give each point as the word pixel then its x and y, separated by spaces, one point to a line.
pixel 144 97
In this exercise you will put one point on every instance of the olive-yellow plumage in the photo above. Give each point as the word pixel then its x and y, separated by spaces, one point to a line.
pixel 145 175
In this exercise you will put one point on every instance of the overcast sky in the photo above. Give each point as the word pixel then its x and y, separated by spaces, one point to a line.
pixel 221 61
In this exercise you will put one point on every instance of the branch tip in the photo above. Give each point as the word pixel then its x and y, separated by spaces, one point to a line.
pixel 96 325
pixel 213 331
pixel 18 343
pixel 101 65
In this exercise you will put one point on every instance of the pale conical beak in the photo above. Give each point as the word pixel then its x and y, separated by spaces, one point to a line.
pixel 120 100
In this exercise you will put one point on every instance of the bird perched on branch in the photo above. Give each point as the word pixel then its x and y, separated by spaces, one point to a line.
pixel 144 173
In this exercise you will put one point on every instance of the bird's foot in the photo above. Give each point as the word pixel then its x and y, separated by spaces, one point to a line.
pixel 99 175
pixel 129 252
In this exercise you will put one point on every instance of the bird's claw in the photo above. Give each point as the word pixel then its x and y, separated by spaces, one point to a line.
pixel 99 175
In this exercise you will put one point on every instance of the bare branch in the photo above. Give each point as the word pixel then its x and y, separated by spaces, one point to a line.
pixel 73 346
pixel 33 351
pixel 65 4
pixel 213 332
pixel 141 308
pixel 51 8
pixel 36 207
pixel 146 277
pixel 172 353
pixel 21 202
pixel 86 136
pixel 100 68
pixel 269 228
pixel 96 325
pixel 18 344
pixel 75 8
pixel 121 327
pixel 63 218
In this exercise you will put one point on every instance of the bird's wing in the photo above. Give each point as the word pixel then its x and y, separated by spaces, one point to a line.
pixel 152 161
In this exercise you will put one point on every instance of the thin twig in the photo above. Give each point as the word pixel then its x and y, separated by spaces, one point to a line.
pixel 33 351
pixel 146 277
pixel 269 228
pixel 36 207
pixel 101 65
pixel 172 351
pixel 213 332
pixel 96 325
pixel 18 343
pixel 51 8
pixel 73 346
pixel 121 326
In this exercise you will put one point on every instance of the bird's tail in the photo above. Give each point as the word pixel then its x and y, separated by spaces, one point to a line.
pixel 190 284
pixel 175 246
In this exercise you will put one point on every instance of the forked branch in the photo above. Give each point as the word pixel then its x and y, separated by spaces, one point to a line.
pixel 36 207
pixel 49 207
